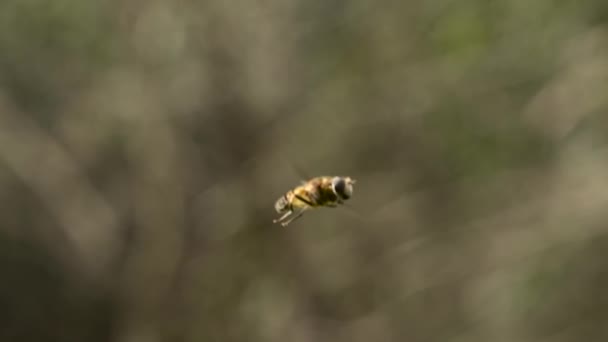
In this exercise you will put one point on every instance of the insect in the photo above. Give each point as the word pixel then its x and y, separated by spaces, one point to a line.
pixel 324 191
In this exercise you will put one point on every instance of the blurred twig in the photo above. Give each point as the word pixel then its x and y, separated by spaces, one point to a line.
pixel 89 223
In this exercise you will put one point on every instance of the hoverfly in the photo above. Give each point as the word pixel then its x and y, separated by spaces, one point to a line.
pixel 324 191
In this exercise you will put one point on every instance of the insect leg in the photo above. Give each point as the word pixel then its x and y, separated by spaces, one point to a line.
pixel 299 214
pixel 282 217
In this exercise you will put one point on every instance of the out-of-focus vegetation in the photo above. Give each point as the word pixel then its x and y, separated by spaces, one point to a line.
pixel 143 144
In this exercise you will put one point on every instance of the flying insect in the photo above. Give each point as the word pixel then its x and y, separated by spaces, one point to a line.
pixel 323 191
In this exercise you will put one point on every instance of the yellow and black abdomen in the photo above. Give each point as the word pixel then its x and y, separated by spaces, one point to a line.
pixel 299 197
pixel 302 197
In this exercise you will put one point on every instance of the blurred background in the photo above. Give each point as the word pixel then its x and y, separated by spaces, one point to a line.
pixel 143 144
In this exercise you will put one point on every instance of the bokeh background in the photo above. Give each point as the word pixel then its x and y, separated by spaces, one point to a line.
pixel 143 144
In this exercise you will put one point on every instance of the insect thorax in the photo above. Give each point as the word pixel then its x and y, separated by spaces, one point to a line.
pixel 326 196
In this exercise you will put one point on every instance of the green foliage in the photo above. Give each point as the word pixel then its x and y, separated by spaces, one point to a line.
pixel 156 135
pixel 562 283
pixel 48 43
pixel 482 144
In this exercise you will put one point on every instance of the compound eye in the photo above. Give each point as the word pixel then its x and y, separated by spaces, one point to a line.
pixel 340 189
